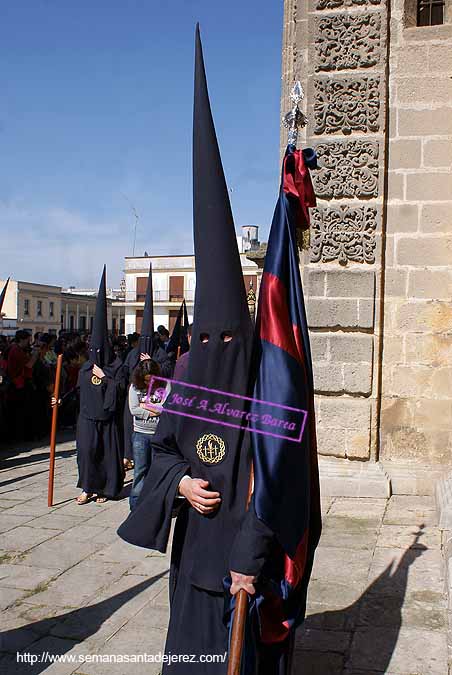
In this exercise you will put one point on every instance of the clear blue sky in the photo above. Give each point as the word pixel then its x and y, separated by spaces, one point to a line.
pixel 96 106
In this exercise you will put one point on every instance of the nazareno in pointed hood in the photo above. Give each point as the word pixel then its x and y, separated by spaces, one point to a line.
pixel 218 453
pixel 100 351
pixel 147 326
pixel 179 336
pixel 3 294
pixel 220 297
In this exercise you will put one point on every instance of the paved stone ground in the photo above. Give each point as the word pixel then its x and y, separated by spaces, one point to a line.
pixel 69 585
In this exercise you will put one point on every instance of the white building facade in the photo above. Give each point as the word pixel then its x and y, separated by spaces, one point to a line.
pixel 174 279
pixel 48 309
pixel 32 307
pixel 78 307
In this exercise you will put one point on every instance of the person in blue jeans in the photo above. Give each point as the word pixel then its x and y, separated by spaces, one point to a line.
pixel 144 424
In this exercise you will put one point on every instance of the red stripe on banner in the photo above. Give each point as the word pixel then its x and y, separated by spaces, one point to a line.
pixel 274 627
pixel 294 568
pixel 297 182
pixel 275 324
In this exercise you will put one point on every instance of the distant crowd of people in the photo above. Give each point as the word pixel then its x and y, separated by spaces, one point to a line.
pixel 27 378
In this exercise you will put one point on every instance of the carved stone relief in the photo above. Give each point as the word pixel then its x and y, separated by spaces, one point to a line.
pixel 348 169
pixel 344 233
pixel 335 4
pixel 345 105
pixel 347 41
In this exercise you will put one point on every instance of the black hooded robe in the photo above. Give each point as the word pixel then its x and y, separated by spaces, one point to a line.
pixel 207 547
pixel 204 550
pixel 146 345
pixel 99 455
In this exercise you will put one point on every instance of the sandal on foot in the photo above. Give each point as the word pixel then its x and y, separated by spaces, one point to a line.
pixel 84 498
pixel 101 500
pixel 128 464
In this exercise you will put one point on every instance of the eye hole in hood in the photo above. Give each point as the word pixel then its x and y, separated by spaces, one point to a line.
pixel 204 337
pixel 226 336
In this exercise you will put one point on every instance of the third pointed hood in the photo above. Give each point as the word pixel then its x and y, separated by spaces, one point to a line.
pixel 3 294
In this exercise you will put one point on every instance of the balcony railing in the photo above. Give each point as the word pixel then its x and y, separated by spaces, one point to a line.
pixel 161 296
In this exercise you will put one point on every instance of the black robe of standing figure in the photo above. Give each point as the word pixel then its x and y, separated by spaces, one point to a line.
pixel 99 456
pixel 206 548
pixel 146 345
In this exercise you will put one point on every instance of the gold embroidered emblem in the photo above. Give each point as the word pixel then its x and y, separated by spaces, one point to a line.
pixel 96 380
pixel 210 449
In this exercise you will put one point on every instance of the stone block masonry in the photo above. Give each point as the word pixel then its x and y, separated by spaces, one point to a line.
pixel 416 388
pixel 379 104
pixel 337 49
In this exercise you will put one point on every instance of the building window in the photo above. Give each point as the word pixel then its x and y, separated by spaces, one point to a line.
pixel 430 12
pixel 71 322
pixel 176 289
pixel 26 307
pixel 39 308
pixel 51 308
pixel 82 323
pixel 142 283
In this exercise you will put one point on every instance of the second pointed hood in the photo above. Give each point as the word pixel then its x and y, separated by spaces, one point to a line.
pixel 100 351
pixel 147 325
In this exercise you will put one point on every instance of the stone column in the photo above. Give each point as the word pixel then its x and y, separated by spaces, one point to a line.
pixel 339 55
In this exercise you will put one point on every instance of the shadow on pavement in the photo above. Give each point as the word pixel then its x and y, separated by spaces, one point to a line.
pixel 19 478
pixel 325 641
pixel 12 458
pixel 76 626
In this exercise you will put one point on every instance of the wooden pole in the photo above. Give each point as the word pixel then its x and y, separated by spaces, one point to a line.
pixel 240 612
pixel 56 394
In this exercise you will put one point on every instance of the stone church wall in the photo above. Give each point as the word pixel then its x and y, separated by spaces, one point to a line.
pixel 378 276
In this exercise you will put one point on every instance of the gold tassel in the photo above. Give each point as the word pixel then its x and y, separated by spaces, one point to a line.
pixel 304 239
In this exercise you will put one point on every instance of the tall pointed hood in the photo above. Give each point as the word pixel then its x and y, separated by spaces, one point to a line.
pixel 220 359
pixel 3 294
pixel 180 332
pixel 147 326
pixel 100 351
pixel 219 280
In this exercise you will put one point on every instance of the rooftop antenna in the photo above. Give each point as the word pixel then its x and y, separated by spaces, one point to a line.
pixel 135 215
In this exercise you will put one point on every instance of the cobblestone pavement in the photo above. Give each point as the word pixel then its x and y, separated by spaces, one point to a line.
pixel 69 586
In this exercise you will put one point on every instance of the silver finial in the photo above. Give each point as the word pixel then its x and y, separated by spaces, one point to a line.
pixel 295 119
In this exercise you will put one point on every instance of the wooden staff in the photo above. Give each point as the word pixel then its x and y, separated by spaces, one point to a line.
pixel 240 612
pixel 56 395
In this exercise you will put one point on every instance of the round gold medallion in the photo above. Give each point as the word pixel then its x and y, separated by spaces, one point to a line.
pixel 96 380
pixel 211 449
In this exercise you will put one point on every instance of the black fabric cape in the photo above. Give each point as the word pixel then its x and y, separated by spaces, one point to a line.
pixel 205 547
pixel 99 442
pixel 226 366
